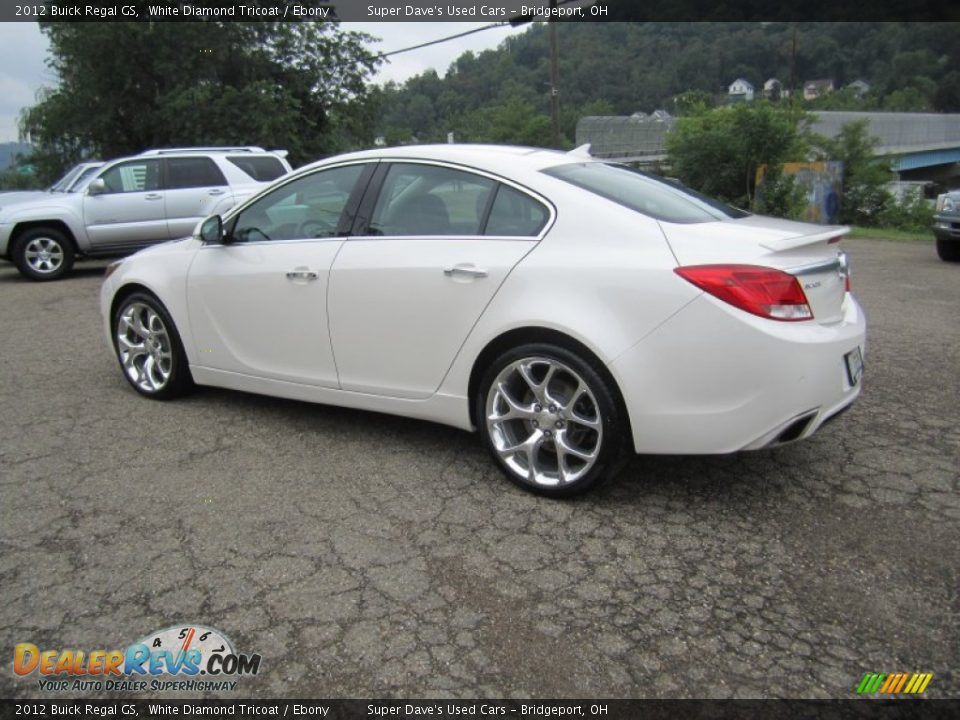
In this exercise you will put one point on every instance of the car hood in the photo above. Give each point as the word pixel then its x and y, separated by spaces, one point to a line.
pixel 15 197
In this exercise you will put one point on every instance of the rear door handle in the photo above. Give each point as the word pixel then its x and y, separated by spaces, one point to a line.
pixel 465 271
pixel 216 192
pixel 153 196
pixel 302 274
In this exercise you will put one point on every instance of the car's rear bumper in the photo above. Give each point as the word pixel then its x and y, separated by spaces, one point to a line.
pixel 713 379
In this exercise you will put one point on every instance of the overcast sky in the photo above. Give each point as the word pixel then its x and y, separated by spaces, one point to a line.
pixel 23 50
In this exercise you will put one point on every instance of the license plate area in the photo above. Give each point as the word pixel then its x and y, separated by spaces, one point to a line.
pixel 854 362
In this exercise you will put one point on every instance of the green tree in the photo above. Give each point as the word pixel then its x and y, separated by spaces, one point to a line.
pixel 124 87
pixel 692 102
pixel 718 151
pixel 515 122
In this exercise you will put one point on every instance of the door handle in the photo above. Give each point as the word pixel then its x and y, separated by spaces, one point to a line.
pixel 153 196
pixel 466 271
pixel 302 274
pixel 216 192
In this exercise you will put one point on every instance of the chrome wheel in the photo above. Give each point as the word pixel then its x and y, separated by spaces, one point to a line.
pixel 544 421
pixel 44 255
pixel 143 344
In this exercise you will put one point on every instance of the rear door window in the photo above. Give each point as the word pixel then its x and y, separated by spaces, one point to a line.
pixel 515 214
pixel 192 173
pixel 428 200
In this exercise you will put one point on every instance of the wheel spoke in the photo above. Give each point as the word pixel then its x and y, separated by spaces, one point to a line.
pixel 564 447
pixel 524 371
pixel 515 410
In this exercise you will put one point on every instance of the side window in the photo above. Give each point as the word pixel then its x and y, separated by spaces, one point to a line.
pixel 515 214
pixel 430 200
pixel 133 176
pixel 193 172
pixel 308 207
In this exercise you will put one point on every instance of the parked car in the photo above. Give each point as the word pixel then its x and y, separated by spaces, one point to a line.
pixel 129 204
pixel 946 226
pixel 566 308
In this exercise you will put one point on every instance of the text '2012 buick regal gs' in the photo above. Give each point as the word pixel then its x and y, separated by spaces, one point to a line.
pixel 568 309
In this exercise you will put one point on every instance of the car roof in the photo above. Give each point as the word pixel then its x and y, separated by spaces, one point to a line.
pixel 493 158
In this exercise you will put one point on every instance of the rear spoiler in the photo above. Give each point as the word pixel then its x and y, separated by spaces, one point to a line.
pixel 832 233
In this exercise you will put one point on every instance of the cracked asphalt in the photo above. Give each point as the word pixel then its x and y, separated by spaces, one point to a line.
pixel 370 556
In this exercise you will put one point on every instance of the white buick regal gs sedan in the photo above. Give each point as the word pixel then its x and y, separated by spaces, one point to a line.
pixel 570 310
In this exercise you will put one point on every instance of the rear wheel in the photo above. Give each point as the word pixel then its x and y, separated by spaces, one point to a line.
pixel 949 250
pixel 149 348
pixel 550 420
pixel 43 254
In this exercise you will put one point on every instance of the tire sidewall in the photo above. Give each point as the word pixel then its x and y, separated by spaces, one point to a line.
pixel 948 250
pixel 20 260
pixel 180 380
pixel 613 427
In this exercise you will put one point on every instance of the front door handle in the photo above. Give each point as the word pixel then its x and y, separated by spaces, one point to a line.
pixel 153 196
pixel 302 274
pixel 465 271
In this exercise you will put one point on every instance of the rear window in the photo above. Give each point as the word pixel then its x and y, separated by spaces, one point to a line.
pixel 647 194
pixel 261 168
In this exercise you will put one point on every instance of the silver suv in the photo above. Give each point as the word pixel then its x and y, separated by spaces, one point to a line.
pixel 130 203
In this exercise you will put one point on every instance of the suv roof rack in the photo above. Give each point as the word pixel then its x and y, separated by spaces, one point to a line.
pixel 217 148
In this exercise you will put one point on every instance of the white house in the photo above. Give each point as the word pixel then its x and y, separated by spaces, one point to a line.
pixel 740 89
pixel 772 89
pixel 816 88
pixel 859 87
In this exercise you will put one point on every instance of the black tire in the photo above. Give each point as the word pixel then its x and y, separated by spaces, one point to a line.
pixel 43 253
pixel 948 250
pixel 599 405
pixel 157 368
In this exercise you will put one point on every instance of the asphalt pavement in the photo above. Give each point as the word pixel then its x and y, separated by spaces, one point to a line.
pixel 363 555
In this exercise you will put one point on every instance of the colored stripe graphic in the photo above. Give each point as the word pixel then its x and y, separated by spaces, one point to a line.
pixel 894 683
pixel 900 683
pixel 891 681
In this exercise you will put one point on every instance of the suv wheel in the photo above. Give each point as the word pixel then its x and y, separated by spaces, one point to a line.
pixel 43 253
pixel 949 250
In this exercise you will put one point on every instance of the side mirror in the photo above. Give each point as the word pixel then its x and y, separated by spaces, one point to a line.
pixel 211 230
pixel 96 187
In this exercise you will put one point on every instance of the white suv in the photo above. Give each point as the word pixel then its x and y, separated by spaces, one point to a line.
pixel 131 203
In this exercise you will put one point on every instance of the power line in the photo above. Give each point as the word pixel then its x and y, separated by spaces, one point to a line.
pixel 441 40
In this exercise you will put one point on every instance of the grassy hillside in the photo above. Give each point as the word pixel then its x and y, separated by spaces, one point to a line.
pixel 622 68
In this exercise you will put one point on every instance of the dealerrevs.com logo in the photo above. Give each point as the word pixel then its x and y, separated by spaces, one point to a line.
pixel 182 657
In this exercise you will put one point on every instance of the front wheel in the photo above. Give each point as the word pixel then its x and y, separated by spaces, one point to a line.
pixel 43 254
pixel 149 348
pixel 949 250
pixel 550 420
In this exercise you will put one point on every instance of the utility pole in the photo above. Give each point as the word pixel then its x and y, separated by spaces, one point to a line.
pixel 554 76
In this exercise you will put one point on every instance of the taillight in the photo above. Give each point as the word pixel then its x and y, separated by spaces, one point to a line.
pixel 762 291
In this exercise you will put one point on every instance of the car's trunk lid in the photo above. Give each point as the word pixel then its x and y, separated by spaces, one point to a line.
pixel 810 252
